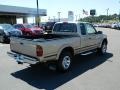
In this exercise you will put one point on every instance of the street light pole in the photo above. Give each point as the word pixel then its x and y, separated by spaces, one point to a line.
pixel 37 12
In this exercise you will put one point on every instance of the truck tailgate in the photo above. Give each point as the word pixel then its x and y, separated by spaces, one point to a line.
pixel 23 46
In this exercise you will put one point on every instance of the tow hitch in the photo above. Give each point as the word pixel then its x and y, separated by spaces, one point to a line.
pixel 20 59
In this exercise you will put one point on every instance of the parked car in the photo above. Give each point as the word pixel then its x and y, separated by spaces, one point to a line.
pixel 95 25
pixel 6 31
pixel 49 26
pixel 114 25
pixel 107 25
pixel 67 40
pixel 29 30
pixel 118 26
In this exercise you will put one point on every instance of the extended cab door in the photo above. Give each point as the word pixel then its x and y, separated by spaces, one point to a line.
pixel 83 38
pixel 89 38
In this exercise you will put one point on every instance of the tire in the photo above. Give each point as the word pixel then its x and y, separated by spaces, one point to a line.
pixel 103 49
pixel 64 62
pixel 2 39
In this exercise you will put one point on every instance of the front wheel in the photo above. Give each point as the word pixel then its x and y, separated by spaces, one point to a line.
pixel 64 62
pixel 103 48
pixel 2 39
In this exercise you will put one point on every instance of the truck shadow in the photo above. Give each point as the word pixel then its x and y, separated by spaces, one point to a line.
pixel 42 78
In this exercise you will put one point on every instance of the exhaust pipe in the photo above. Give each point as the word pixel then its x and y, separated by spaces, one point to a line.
pixel 17 58
pixel 19 62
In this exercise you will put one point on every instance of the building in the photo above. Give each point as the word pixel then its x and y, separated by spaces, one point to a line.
pixel 9 14
pixel 70 16
pixel 57 20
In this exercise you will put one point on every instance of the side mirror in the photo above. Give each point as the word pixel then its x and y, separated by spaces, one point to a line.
pixel 99 32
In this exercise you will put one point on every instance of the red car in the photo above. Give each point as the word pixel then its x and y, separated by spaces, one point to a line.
pixel 29 30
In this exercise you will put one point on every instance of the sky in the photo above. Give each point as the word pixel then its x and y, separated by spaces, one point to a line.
pixel 63 6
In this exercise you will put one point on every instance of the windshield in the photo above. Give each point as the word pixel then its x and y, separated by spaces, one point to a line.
pixel 65 27
pixel 7 27
pixel 28 26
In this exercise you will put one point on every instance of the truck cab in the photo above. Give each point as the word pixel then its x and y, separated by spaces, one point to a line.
pixel 88 35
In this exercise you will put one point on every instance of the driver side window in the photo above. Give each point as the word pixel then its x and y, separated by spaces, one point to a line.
pixel 90 29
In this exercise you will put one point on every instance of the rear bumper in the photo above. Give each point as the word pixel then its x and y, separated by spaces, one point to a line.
pixel 23 58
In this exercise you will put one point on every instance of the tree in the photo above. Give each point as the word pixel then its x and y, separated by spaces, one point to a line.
pixel 99 19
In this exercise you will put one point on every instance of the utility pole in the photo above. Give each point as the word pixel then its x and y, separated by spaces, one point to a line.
pixel 119 15
pixel 79 17
pixel 107 12
pixel 59 16
pixel 54 18
pixel 38 19
pixel 76 16
pixel 119 12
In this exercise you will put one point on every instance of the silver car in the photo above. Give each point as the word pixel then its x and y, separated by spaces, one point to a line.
pixel 6 31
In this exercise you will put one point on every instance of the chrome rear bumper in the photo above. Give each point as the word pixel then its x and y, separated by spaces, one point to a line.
pixel 22 58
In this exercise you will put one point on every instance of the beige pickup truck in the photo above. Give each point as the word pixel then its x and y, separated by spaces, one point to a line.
pixel 67 40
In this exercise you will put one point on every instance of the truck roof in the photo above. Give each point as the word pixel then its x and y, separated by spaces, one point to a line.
pixel 72 22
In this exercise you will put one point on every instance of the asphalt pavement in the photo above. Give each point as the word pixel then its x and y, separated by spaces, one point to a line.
pixel 89 72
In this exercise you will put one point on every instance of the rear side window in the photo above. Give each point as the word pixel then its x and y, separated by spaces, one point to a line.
pixel 50 23
pixel 83 29
pixel 65 27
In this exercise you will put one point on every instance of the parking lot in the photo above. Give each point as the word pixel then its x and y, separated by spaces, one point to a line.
pixel 89 72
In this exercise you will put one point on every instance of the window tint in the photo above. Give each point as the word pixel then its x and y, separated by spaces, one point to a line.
pixel 65 27
pixel 7 27
pixel 28 26
pixel 90 29
pixel 56 27
pixel 83 30
pixel 18 26
pixel 50 23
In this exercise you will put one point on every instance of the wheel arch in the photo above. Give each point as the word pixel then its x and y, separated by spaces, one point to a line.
pixel 68 48
pixel 104 40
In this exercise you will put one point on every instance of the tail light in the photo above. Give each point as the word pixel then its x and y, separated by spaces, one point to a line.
pixel 39 51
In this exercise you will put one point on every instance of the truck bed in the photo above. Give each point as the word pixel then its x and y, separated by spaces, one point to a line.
pixel 46 36
pixel 27 44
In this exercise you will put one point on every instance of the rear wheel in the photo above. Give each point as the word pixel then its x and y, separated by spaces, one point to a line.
pixel 64 62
